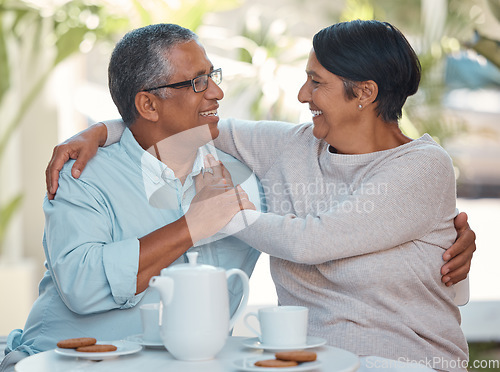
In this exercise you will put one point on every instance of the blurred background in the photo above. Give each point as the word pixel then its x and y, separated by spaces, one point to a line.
pixel 53 83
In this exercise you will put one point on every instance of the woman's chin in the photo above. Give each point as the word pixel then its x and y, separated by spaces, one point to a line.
pixel 318 132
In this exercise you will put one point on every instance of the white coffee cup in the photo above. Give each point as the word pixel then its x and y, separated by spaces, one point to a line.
pixel 150 317
pixel 281 325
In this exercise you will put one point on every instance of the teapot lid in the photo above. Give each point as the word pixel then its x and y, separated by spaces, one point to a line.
pixel 191 266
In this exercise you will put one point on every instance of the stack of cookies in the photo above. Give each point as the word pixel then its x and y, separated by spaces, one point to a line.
pixel 86 345
pixel 287 359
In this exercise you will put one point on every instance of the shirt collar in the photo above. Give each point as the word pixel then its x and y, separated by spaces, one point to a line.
pixel 152 167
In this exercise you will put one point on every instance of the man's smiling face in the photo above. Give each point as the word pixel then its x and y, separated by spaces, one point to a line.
pixel 185 109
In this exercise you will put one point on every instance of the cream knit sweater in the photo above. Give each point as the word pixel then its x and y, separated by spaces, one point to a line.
pixel 358 239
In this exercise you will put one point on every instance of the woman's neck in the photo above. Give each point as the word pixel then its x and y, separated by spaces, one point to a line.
pixel 371 137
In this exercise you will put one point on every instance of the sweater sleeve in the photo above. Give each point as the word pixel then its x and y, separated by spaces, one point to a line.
pixel 408 199
pixel 115 130
pixel 255 143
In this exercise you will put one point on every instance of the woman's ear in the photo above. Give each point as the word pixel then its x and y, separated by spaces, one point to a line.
pixel 147 105
pixel 367 92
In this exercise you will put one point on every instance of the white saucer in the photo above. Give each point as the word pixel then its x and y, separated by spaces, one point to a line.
pixel 139 340
pixel 247 364
pixel 123 348
pixel 312 341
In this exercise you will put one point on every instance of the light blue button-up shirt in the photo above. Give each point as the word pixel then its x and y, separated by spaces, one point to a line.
pixel 92 248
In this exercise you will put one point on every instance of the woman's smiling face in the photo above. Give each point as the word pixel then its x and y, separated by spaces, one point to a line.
pixel 324 92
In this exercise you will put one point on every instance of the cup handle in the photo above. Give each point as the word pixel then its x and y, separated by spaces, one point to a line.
pixel 245 320
pixel 244 299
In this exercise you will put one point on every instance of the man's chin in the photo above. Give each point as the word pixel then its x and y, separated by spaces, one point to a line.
pixel 214 132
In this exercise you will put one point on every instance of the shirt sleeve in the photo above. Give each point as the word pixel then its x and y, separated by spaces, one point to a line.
pixel 92 273
pixel 256 143
pixel 115 130
pixel 410 200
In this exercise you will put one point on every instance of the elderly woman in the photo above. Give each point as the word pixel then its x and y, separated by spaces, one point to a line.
pixel 359 215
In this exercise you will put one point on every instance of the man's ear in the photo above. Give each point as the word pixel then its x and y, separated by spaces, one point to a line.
pixel 147 106
pixel 367 92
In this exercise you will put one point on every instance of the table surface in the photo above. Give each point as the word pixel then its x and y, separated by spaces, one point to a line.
pixel 150 359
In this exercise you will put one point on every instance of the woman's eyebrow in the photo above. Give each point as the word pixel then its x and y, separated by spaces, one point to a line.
pixel 312 73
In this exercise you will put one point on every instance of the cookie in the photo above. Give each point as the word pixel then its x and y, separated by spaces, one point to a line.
pixel 274 363
pixel 73 343
pixel 101 348
pixel 297 356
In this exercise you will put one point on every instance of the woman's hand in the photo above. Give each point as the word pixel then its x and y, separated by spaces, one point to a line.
pixel 216 201
pixel 459 255
pixel 82 147
pixel 214 171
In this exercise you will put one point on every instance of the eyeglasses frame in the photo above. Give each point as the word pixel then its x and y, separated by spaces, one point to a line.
pixel 187 83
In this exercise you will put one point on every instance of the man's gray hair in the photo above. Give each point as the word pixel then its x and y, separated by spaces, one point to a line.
pixel 140 61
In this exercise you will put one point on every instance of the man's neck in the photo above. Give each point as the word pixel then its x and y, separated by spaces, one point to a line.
pixel 180 158
pixel 177 151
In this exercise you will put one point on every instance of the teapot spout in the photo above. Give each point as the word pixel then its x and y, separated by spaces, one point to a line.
pixel 164 285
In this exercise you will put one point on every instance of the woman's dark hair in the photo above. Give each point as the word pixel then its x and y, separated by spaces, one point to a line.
pixel 371 50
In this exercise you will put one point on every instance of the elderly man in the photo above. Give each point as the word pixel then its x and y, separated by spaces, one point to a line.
pixel 141 203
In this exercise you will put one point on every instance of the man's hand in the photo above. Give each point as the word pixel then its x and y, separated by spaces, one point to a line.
pixel 459 255
pixel 82 147
pixel 216 201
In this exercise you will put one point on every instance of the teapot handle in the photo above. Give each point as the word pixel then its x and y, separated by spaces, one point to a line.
pixel 244 299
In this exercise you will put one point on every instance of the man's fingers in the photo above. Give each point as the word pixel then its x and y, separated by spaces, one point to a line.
pixel 457 262
pixel 461 221
pixel 243 199
pixel 247 204
pixel 465 241
pixel 455 276
pixel 457 268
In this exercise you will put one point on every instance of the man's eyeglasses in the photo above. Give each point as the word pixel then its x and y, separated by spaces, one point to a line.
pixel 199 83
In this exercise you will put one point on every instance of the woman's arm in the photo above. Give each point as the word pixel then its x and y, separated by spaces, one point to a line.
pixel 411 198
pixel 255 143
pixel 82 147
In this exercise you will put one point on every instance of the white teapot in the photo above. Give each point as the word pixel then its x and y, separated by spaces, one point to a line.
pixel 195 321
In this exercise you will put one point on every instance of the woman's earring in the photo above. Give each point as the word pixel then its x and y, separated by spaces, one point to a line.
pixel 360 107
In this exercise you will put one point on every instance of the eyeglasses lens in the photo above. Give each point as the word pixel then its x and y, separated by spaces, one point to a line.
pixel 216 76
pixel 201 82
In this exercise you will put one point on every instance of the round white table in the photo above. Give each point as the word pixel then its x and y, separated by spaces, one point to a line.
pixel 148 359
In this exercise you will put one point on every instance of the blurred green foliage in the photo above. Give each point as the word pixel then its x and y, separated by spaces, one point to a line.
pixel 482 352
pixel 44 37
pixel 424 112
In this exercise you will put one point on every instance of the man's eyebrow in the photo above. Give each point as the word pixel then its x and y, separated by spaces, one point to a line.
pixel 202 72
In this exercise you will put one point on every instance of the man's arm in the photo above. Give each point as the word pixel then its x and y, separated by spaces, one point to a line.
pixel 95 272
